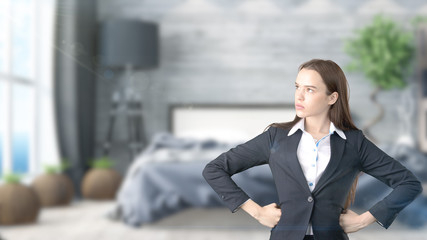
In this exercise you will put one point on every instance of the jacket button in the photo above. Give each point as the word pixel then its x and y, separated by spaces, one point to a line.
pixel 310 199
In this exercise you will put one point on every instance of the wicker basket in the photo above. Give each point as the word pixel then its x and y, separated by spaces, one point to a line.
pixel 100 184
pixel 54 189
pixel 18 204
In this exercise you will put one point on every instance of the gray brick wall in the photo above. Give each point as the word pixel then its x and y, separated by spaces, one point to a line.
pixel 222 51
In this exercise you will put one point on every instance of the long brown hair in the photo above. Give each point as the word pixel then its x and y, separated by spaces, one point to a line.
pixel 339 113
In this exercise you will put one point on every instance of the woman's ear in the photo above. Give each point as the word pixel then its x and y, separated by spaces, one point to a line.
pixel 333 98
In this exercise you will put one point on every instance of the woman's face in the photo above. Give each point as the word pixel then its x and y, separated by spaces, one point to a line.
pixel 310 95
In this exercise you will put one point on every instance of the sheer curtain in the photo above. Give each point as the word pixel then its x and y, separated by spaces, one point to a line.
pixel 28 138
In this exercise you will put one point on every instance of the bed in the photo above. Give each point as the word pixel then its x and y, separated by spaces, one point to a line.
pixel 166 177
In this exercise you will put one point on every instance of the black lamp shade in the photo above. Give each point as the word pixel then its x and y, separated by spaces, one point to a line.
pixel 129 42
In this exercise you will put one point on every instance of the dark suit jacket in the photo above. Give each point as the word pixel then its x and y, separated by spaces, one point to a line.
pixel 324 205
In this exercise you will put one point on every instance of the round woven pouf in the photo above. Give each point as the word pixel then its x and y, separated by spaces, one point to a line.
pixel 100 184
pixel 53 189
pixel 19 204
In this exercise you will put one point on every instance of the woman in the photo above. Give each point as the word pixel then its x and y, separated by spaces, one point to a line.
pixel 315 159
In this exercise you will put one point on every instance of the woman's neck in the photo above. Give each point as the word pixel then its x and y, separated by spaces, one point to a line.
pixel 316 125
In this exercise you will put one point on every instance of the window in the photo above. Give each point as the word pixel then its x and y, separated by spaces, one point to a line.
pixel 27 126
pixel 2 123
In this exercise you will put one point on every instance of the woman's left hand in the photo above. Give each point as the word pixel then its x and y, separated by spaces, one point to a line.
pixel 353 222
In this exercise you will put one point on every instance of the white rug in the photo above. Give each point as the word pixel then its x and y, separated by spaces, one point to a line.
pixel 86 220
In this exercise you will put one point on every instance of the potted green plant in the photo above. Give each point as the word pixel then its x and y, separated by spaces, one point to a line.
pixel 101 182
pixel 383 51
pixel 19 203
pixel 53 187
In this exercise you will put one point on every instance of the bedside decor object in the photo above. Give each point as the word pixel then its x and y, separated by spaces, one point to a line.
pixel 101 182
pixel 53 187
pixel 19 204
pixel 128 44
pixel 383 51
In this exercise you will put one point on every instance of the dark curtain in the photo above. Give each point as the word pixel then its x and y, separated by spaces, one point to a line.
pixel 75 74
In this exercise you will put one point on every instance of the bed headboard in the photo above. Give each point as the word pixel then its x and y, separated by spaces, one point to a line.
pixel 226 123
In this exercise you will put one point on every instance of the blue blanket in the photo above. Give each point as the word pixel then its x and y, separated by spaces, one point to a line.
pixel 167 178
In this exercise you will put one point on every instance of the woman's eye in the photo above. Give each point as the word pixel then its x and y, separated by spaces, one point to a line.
pixel 309 90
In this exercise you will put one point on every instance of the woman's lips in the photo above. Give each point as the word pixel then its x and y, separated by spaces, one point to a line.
pixel 298 106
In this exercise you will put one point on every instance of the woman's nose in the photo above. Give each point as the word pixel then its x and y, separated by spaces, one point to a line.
pixel 299 94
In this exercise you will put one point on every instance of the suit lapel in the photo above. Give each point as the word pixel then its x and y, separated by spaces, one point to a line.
pixel 291 155
pixel 337 150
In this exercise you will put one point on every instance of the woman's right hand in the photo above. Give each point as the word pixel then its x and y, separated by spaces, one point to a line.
pixel 268 215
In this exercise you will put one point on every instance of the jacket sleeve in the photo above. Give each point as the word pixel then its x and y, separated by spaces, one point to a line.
pixel 219 171
pixel 405 185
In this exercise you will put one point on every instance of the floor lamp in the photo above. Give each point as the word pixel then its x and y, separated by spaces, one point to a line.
pixel 128 44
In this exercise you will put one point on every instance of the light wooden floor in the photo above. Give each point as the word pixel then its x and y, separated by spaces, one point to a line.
pixel 87 220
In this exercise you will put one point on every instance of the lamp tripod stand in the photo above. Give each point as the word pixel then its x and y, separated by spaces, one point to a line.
pixel 126 102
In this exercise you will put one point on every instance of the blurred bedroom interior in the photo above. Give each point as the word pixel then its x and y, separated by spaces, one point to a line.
pixel 111 109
